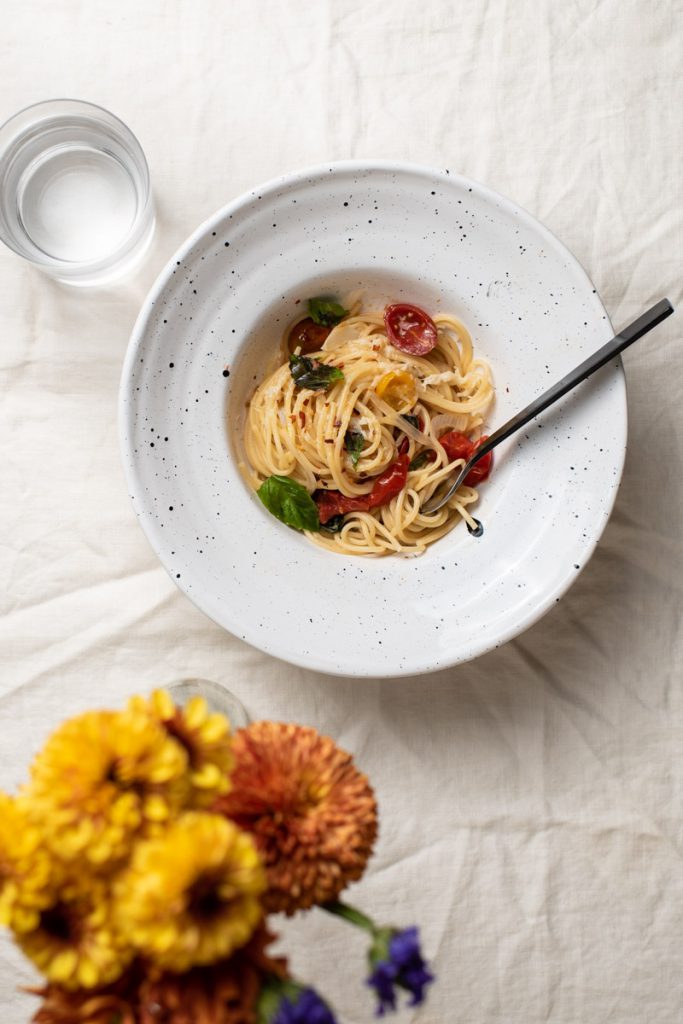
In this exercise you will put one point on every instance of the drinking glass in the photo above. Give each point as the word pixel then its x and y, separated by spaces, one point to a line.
pixel 75 196
pixel 216 696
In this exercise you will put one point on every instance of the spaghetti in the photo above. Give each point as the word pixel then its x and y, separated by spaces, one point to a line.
pixel 373 437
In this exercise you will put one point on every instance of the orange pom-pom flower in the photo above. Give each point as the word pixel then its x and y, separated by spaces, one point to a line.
pixel 313 815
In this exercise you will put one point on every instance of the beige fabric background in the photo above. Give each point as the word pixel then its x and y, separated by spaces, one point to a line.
pixel 531 801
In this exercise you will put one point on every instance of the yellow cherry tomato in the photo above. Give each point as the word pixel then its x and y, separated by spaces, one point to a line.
pixel 398 389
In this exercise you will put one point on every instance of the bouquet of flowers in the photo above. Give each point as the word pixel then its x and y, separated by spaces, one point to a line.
pixel 139 865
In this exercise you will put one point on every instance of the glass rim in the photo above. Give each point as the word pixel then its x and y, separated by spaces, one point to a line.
pixel 142 215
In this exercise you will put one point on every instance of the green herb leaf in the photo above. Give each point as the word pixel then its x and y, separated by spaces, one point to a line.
pixel 354 442
pixel 334 524
pixel 326 312
pixel 420 460
pixel 311 374
pixel 413 420
pixel 289 502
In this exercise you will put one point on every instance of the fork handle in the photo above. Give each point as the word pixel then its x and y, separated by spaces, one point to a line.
pixel 640 326
pixel 644 323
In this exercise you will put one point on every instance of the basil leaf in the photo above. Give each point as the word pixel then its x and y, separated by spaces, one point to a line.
pixel 413 420
pixel 334 524
pixel 354 442
pixel 326 312
pixel 311 374
pixel 289 502
pixel 420 460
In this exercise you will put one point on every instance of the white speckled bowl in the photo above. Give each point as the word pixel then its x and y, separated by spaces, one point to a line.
pixel 404 233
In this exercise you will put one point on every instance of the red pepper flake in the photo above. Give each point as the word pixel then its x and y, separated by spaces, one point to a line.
pixel 328 441
pixel 297 302
pixel 293 419
pixel 340 366
pixel 302 418
pixel 376 348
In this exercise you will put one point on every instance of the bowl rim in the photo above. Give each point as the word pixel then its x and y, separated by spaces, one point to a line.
pixel 319 171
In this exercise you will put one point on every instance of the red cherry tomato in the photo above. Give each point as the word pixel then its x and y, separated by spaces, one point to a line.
pixel 390 483
pixel 386 486
pixel 334 503
pixel 458 446
pixel 308 336
pixel 410 329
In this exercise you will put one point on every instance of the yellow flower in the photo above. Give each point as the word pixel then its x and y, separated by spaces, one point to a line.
pixel 190 897
pixel 101 778
pixel 205 738
pixel 74 943
pixel 24 868
pixel 312 814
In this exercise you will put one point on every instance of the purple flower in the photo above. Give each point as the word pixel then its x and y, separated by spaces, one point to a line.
pixel 396 961
pixel 383 979
pixel 307 1008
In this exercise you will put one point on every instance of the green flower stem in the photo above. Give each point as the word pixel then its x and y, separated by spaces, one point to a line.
pixel 272 992
pixel 351 914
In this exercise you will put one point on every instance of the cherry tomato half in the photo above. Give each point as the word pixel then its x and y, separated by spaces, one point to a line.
pixel 308 336
pixel 386 486
pixel 410 329
pixel 398 389
pixel 390 483
pixel 334 503
pixel 458 446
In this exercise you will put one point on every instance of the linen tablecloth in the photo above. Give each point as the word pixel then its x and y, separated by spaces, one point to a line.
pixel 531 801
